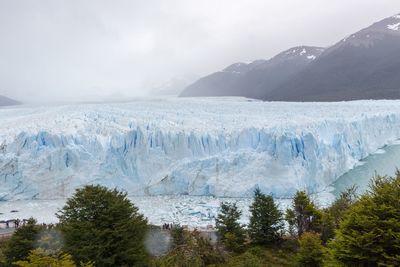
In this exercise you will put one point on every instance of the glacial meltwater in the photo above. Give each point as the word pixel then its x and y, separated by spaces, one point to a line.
pixel 383 162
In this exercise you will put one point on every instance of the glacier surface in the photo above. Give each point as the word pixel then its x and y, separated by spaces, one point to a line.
pixel 204 147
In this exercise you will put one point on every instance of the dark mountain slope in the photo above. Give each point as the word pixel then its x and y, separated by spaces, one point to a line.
pixel 366 65
pixel 255 79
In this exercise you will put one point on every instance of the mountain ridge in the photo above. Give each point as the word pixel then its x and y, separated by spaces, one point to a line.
pixel 360 66
pixel 250 79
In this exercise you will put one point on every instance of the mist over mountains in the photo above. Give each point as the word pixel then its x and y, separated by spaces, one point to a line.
pixel 5 101
pixel 365 65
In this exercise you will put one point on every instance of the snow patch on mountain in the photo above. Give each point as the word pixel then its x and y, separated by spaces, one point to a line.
pixel 393 27
pixel 213 147
pixel 308 52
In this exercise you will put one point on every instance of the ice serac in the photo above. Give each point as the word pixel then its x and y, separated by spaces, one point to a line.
pixel 224 147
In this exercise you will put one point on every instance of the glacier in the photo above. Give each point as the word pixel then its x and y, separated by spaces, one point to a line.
pixel 194 146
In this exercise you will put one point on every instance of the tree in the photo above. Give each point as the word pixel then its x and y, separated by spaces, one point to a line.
pixel 266 221
pixel 229 229
pixel 102 226
pixel 311 252
pixel 369 233
pixel 333 215
pixel 22 242
pixel 303 216
pixel 327 227
pixel 341 205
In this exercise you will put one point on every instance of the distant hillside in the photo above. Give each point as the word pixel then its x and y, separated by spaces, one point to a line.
pixel 257 78
pixel 366 65
pixel 5 101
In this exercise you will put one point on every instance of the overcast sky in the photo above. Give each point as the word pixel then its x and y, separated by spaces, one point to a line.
pixel 78 49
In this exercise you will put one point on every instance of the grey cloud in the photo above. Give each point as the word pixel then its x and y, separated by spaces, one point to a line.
pixel 64 50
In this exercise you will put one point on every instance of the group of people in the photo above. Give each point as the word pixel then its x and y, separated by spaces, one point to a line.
pixel 167 226
pixel 15 223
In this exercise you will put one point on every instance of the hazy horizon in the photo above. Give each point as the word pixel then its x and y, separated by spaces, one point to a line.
pixel 87 50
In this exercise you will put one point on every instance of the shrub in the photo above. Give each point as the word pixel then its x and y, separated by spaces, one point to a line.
pixel 311 252
pixel 22 242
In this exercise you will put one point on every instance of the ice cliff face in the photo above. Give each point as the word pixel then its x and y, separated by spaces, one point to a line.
pixel 223 147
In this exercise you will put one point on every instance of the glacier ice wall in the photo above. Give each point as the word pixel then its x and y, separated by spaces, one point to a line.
pixel 221 147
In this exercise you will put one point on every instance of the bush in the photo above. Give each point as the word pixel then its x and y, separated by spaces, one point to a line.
pixel 178 236
pixel 102 226
pixel 311 252
pixel 196 251
pixel 261 256
pixel 22 242
pixel 246 259
pixel 50 241
pixel 39 258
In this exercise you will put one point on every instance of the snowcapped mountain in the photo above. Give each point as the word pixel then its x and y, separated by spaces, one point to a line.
pixel 365 65
pixel 254 79
pixel 187 146
pixel 5 101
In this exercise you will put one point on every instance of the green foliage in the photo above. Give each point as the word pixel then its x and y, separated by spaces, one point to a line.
pixel 245 260
pixel 179 236
pixel 233 242
pixel 39 258
pixel 196 251
pixel 3 243
pixel 102 226
pixel 266 223
pixel 333 215
pixel 261 256
pixel 22 242
pixel 231 233
pixel 177 260
pixel 304 216
pixel 341 205
pixel 311 252
pixel 369 233
pixel 327 227
pixel 50 241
